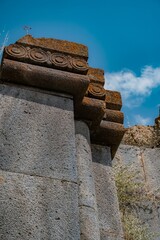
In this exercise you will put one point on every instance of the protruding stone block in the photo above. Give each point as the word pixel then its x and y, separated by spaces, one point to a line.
pixel 113 100
pixel 96 75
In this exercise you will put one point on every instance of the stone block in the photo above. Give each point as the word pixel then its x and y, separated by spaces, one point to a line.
pixel 145 163
pixel 110 236
pixel 37 135
pixel 89 224
pixel 37 208
pixel 56 44
pixel 152 167
pixel 106 194
pixel 84 165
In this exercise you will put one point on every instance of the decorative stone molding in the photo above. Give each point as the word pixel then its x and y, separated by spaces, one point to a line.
pixel 38 56
pixel 45 78
pixel 62 66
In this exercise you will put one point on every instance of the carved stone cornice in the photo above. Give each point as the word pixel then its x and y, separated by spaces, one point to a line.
pixel 45 78
pixel 62 66
pixel 41 57
pixel 51 44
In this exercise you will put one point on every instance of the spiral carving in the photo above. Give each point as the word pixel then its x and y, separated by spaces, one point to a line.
pixel 15 50
pixel 79 64
pixel 59 60
pixel 38 55
pixel 96 91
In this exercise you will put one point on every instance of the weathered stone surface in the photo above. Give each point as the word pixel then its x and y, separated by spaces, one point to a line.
pixel 106 194
pixel 34 136
pixel 61 66
pixel 84 166
pixel 108 134
pixel 37 208
pixel 89 225
pixel 152 169
pixel 45 78
pixel 96 91
pixel 113 116
pixel 110 236
pixel 57 45
pixel 41 57
pixel 91 110
pixel 144 136
pixel 96 75
pixel 144 162
pixel 113 100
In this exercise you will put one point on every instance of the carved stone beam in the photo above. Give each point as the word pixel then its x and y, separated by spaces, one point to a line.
pixel 46 58
pixel 45 78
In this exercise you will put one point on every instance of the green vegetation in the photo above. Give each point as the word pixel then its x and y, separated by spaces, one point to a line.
pixel 132 197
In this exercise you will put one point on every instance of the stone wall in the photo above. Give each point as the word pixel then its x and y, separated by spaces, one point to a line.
pixel 139 150
pixel 59 129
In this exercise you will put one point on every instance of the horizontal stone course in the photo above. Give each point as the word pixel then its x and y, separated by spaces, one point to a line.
pixel 37 208
pixel 34 136
pixel 56 44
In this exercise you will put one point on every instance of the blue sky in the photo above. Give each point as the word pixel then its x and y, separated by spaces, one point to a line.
pixel 123 38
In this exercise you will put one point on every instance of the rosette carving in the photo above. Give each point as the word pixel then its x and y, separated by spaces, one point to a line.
pixel 38 55
pixel 59 60
pixel 79 64
pixel 16 51
pixel 96 91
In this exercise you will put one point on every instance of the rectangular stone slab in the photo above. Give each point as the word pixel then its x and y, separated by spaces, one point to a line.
pixel 106 194
pixel 56 44
pixel 44 78
pixel 37 133
pixel 34 208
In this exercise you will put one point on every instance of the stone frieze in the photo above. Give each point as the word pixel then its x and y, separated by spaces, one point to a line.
pixel 39 56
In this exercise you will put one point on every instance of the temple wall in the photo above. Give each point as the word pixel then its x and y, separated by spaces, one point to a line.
pixel 140 153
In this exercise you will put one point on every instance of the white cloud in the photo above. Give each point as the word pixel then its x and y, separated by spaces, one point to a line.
pixel 133 89
pixel 141 120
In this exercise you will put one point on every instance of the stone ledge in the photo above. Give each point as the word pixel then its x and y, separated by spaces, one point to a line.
pixel 41 57
pixel 44 78
pixel 55 44
pixel 108 134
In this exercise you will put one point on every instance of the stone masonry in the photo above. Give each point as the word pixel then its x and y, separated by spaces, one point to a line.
pixel 140 151
pixel 59 130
